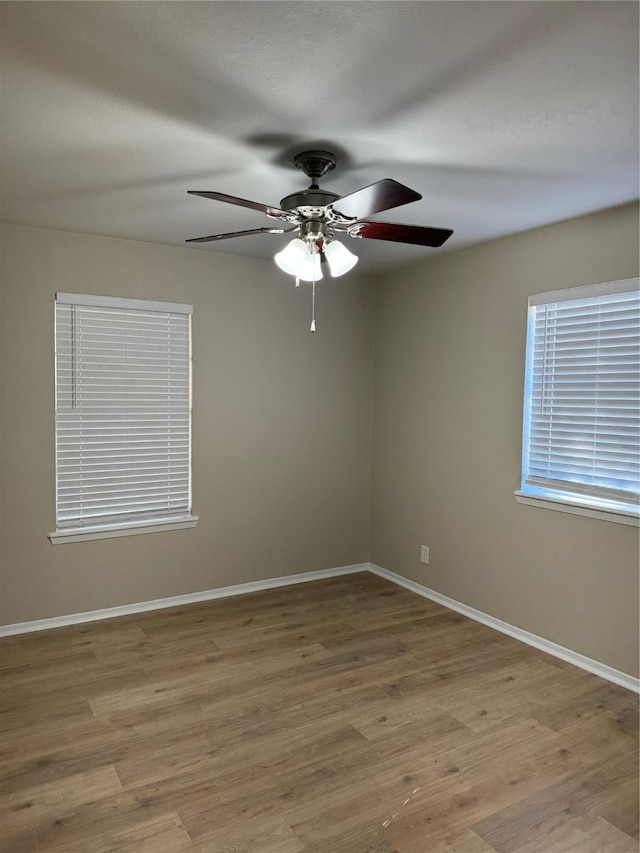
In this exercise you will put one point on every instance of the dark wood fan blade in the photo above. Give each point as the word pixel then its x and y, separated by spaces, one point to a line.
pixel 416 234
pixel 235 234
pixel 383 195
pixel 243 202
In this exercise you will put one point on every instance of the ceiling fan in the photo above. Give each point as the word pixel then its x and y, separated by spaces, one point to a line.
pixel 317 215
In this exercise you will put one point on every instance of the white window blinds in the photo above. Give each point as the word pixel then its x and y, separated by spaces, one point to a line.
pixel 123 411
pixel 582 406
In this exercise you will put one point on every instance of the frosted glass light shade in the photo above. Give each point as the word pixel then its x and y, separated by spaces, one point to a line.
pixel 295 259
pixel 340 259
pixel 292 257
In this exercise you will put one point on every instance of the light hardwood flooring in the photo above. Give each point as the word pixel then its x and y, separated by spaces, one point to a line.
pixel 338 716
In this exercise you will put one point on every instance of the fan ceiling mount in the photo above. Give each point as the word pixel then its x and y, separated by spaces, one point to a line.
pixel 318 215
pixel 315 164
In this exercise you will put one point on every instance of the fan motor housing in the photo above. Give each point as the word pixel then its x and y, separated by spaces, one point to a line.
pixel 315 198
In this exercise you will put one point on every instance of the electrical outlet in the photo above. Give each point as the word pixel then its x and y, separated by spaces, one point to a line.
pixel 424 554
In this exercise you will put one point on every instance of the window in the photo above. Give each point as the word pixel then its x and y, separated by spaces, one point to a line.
pixel 123 416
pixel 582 406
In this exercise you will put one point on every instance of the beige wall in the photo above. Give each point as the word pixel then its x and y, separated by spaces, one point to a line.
pixel 282 425
pixel 449 364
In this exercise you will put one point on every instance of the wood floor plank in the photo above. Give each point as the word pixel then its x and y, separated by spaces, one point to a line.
pixel 330 816
pixel 54 709
pixel 345 715
pixel 45 736
pixel 600 700
pixel 98 821
pixel 467 842
pixel 92 752
pixel 57 799
pixel 260 835
pixel 163 834
pixel 583 835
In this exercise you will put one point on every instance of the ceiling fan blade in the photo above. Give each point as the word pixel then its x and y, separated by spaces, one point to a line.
pixel 416 234
pixel 239 234
pixel 243 202
pixel 383 195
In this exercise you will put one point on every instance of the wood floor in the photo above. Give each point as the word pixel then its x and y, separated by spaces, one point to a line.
pixel 339 716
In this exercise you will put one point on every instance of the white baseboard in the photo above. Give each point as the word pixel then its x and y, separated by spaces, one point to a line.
pixel 175 601
pixel 593 666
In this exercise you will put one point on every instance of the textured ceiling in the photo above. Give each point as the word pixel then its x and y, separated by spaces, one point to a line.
pixel 504 116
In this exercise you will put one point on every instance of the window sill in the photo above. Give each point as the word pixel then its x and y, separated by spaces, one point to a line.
pixel 109 531
pixel 617 516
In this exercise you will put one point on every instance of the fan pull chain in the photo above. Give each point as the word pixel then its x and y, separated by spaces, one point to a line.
pixel 297 282
pixel 313 307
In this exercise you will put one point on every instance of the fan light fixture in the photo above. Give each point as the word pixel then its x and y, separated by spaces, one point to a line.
pixel 302 259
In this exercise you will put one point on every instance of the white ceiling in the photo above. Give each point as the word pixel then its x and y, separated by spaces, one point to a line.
pixel 504 115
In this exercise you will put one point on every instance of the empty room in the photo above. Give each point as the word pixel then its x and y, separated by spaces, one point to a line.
pixel 319 432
